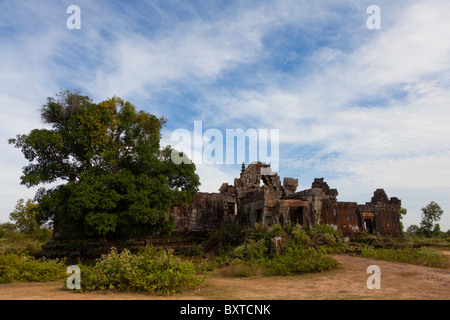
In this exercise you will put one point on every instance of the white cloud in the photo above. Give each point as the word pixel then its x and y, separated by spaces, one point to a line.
pixel 401 139
pixel 381 109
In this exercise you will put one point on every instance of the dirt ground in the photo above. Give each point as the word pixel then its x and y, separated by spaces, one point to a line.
pixel 348 282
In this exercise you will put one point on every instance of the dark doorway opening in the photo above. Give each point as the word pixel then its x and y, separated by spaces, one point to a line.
pixel 231 209
pixel 369 226
pixel 296 215
pixel 258 216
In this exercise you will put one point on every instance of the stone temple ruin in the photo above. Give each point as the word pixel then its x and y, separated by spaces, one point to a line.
pixel 258 196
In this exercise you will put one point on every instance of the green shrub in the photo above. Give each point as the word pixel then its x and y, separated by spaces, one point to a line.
pixel 266 232
pixel 194 250
pixel 12 241
pixel 300 237
pixel 298 260
pixel 251 250
pixel 226 238
pixel 151 270
pixel 24 268
pixel 242 272
pixel 255 251
pixel 325 229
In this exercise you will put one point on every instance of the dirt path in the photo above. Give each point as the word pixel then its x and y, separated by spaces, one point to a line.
pixel 398 281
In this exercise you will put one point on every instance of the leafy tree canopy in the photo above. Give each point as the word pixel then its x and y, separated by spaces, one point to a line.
pixel 118 180
pixel 430 214
pixel 24 216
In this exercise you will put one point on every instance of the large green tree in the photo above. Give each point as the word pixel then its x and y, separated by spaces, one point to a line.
pixel 116 179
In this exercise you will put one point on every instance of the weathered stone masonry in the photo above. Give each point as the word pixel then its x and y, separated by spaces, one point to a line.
pixel 258 196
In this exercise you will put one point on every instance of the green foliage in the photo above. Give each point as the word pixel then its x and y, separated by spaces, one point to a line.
pixel 297 260
pixel 324 229
pixel 24 216
pixel 418 256
pixel 254 252
pixel 441 241
pixel 18 266
pixel 14 241
pixel 413 230
pixel 16 261
pixel 430 214
pixel 194 250
pixel 402 212
pixel 226 238
pixel 118 180
pixel 242 272
pixel 298 235
pixel 151 270
pixel 25 268
pixel 251 250
pixel 266 232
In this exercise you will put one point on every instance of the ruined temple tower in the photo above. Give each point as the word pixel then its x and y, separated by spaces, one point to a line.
pixel 258 196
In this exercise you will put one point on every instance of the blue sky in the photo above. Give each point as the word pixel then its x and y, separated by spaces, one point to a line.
pixel 365 109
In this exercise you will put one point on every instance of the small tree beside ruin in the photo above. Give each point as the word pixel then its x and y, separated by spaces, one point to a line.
pixel 430 214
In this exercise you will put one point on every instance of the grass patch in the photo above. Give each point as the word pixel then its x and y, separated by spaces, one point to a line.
pixel 417 256
pixel 241 269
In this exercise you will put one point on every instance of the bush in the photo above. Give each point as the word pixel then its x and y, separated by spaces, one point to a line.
pixel 24 268
pixel 297 260
pixel 14 241
pixel 324 229
pixel 16 264
pixel 251 250
pixel 300 237
pixel 151 270
pixel 266 232
pixel 226 238
pixel 254 253
pixel 194 250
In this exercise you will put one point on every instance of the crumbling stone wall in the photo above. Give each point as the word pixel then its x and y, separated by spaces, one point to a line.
pixel 205 214
pixel 260 198
pixel 381 214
